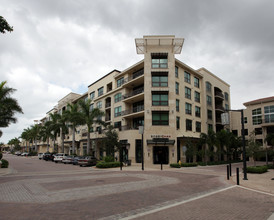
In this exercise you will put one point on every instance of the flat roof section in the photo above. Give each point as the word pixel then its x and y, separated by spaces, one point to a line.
pixel 258 101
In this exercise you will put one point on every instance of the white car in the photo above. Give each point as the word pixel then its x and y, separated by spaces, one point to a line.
pixel 59 157
pixel 40 156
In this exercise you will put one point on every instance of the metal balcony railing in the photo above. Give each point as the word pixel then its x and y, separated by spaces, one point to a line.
pixel 133 93
pixel 133 110
pixel 219 94
pixel 135 75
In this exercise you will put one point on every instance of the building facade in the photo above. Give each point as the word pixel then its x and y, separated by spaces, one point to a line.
pixel 258 119
pixel 172 101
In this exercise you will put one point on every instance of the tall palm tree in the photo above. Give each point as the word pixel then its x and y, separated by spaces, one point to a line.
pixel 45 133
pixel 74 116
pixel 35 130
pixel 8 106
pixel 90 117
pixel 27 136
pixel 55 127
pixel 222 140
pixel 62 123
pixel 210 140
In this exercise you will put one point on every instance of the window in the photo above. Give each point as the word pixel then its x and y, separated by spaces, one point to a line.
pixel 160 79
pixel 245 120
pixel 160 118
pixel 187 93
pixel 187 77
pixel 120 82
pixel 197 111
pixel 118 111
pixel 235 132
pixel 160 98
pixel 118 97
pixel 188 108
pixel 100 91
pixel 226 96
pixel 177 88
pixel 210 127
pixel 159 60
pixel 176 71
pixel 198 126
pixel 269 114
pixel 208 87
pixel 226 107
pixel 99 130
pixel 196 82
pixel 99 104
pixel 91 107
pixel 257 116
pixel 117 124
pixel 258 131
pixel 92 95
pixel 209 114
pixel 178 123
pixel 208 100
pixel 177 105
pixel 197 96
pixel 188 125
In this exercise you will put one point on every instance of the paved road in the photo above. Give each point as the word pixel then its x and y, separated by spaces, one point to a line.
pixel 45 190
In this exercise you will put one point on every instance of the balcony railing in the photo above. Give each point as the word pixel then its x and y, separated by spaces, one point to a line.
pixel 108 104
pixel 134 110
pixel 133 93
pixel 219 107
pixel 135 75
pixel 219 94
pixel 128 127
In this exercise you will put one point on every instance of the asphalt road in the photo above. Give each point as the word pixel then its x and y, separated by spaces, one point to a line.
pixel 44 190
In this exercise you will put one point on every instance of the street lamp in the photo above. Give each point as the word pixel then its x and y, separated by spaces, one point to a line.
pixel 141 131
pixel 225 120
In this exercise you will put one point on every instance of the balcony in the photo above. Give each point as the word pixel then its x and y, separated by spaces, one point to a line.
pixel 219 108
pixel 219 95
pixel 108 105
pixel 134 95
pixel 128 127
pixel 136 78
pixel 136 111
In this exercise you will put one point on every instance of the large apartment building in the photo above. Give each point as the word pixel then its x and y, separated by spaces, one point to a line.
pixel 173 102
pixel 258 118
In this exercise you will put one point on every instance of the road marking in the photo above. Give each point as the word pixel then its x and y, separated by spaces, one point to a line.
pixel 175 204
pixel 258 191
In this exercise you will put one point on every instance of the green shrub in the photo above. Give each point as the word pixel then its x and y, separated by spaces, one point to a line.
pixel 270 166
pixel 175 165
pixel 257 169
pixel 5 163
pixel 107 164
pixel 1 155
pixel 189 165
pixel 108 159
pixel 33 153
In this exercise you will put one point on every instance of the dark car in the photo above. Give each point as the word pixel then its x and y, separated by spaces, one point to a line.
pixel 87 161
pixel 48 156
pixel 75 160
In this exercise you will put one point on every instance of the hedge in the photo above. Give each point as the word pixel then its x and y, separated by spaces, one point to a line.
pixel 5 163
pixel 175 165
pixel 257 169
pixel 107 164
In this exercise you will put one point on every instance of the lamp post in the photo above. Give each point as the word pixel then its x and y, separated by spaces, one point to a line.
pixel 225 120
pixel 141 131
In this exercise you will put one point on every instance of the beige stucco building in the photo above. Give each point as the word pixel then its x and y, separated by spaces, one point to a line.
pixel 258 118
pixel 173 102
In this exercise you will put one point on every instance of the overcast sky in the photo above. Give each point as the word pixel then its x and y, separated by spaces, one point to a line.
pixel 62 46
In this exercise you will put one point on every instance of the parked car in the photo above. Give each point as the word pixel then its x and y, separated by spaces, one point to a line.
pixel 75 160
pixel 18 153
pixel 24 154
pixel 48 156
pixel 87 161
pixel 59 157
pixel 40 156
pixel 67 159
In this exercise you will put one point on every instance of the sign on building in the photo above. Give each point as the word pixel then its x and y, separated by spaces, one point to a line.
pixel 225 118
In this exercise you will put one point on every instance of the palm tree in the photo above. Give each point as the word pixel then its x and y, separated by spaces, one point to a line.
pixel 90 117
pixel 55 127
pixel 27 136
pixel 8 106
pixel 210 140
pixel 45 133
pixel 35 130
pixel 74 116
pixel 62 123
pixel 222 140
pixel 270 141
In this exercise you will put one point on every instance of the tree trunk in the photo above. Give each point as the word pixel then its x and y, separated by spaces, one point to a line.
pixel 73 139
pixel 88 144
pixel 63 146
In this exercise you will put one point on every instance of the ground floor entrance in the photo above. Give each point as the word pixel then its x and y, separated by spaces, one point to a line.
pixel 160 155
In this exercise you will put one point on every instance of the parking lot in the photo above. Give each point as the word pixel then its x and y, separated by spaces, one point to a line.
pixel 36 189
